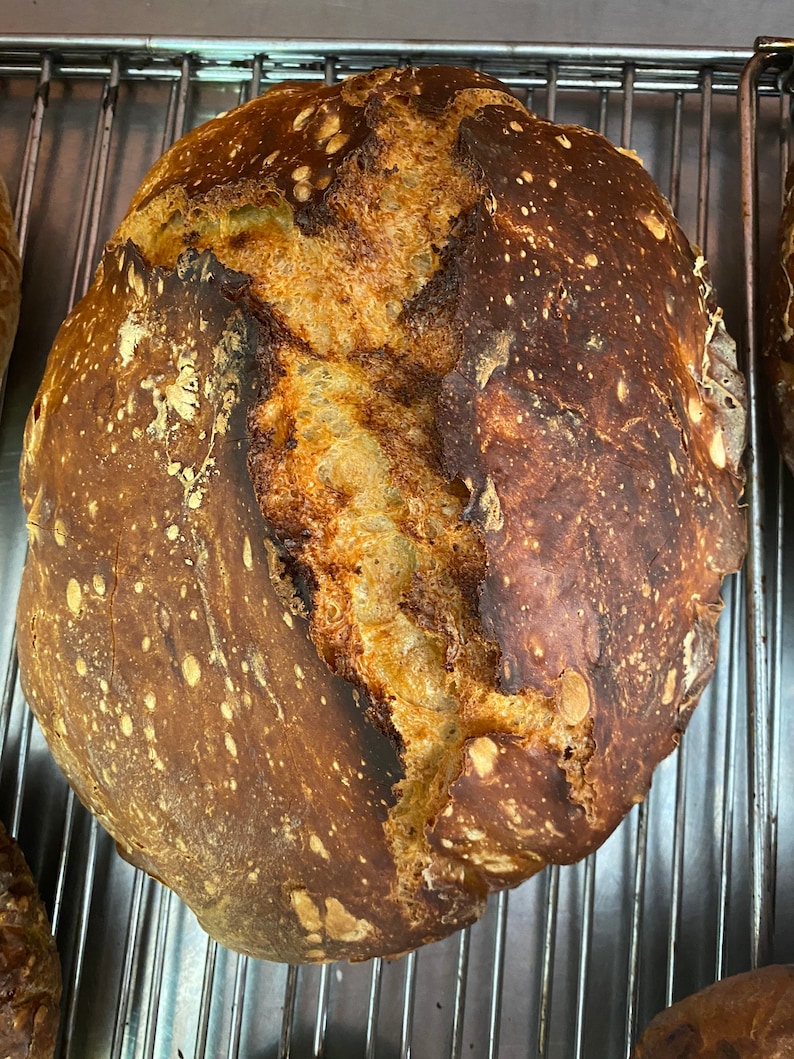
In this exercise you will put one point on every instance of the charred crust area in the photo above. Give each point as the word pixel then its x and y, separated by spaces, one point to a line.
pixel 30 971
pixel 582 415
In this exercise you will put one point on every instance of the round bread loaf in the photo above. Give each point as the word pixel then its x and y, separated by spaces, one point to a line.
pixel 30 970
pixel 379 494
pixel 747 1016
pixel 10 279
pixel 778 346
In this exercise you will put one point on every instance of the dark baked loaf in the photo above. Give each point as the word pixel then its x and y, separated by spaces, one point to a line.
pixel 30 971
pixel 747 1016
pixel 778 347
pixel 10 279
pixel 390 401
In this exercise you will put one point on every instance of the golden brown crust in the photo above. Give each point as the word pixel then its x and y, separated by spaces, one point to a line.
pixel 30 970
pixel 390 374
pixel 747 1016
pixel 229 762
pixel 778 347
pixel 10 279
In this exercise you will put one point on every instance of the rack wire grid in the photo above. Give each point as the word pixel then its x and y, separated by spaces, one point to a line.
pixel 572 964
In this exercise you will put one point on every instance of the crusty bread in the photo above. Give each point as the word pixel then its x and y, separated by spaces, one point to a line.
pixel 30 970
pixel 747 1016
pixel 10 279
pixel 778 346
pixel 390 401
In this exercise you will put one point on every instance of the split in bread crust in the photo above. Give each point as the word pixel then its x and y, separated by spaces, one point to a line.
pixel 493 428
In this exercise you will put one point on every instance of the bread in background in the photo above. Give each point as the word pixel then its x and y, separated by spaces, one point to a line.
pixel 30 970
pixel 746 1016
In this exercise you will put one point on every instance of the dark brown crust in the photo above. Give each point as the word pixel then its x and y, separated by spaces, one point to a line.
pixel 579 418
pixel 30 970
pixel 595 418
pixel 747 1016
pixel 778 346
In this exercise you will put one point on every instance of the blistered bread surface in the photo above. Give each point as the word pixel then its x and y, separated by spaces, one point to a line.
pixel 396 470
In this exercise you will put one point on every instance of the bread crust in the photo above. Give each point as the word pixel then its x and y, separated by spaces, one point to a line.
pixel 10 279
pixel 30 970
pixel 778 346
pixel 746 1016
pixel 389 400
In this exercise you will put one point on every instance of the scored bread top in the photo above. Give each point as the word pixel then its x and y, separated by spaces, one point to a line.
pixel 398 365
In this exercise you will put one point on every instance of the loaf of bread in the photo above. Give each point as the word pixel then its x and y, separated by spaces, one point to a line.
pixel 10 279
pixel 30 970
pixel 747 1016
pixel 379 495
pixel 778 345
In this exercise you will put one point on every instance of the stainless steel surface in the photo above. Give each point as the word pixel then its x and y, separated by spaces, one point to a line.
pixel 732 22
pixel 694 884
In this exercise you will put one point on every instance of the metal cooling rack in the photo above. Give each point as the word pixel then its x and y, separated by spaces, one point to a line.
pixel 577 960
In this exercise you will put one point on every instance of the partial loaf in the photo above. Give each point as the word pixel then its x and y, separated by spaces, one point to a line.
pixel 10 279
pixel 392 403
pixel 747 1016
pixel 778 346
pixel 30 969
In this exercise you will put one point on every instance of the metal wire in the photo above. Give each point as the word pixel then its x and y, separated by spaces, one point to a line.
pixel 679 827
pixel 778 600
pixel 238 1000
pixel 202 1022
pixel 409 998
pixel 547 959
pixel 758 666
pixel 636 918
pixel 92 200
pixel 290 994
pixel 163 904
pixel 373 1007
pixel 321 1019
pixel 736 590
pixel 583 971
pixel 131 954
pixel 459 1003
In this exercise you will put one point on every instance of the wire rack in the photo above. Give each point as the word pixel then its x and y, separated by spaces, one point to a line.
pixel 573 963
